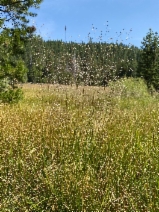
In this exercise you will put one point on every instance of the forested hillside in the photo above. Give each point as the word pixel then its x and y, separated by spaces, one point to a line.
pixel 87 63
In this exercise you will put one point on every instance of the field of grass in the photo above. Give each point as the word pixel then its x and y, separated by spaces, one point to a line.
pixel 85 149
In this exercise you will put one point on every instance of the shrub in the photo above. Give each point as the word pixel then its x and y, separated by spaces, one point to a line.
pixel 4 85
pixel 129 88
pixel 11 95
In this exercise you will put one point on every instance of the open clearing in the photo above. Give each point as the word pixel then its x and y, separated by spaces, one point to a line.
pixel 85 149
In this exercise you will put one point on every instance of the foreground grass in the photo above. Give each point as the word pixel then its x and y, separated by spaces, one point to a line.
pixel 90 149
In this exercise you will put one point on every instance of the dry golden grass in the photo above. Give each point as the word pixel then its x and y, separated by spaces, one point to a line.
pixel 85 149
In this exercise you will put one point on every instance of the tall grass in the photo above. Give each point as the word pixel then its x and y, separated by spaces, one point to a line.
pixel 90 149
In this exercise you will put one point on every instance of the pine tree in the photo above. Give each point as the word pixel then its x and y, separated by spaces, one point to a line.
pixel 148 66
pixel 12 40
pixel 16 12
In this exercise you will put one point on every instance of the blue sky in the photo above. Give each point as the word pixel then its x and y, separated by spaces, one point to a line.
pixel 127 21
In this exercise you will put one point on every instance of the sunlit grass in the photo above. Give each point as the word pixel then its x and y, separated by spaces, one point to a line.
pixel 85 149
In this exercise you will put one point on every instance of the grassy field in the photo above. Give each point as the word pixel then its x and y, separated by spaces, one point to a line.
pixel 85 149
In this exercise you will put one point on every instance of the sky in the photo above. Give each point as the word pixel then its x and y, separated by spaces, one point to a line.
pixel 126 21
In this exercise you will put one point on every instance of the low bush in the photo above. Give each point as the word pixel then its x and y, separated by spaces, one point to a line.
pixel 11 95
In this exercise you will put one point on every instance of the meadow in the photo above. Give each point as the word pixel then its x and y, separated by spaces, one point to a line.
pixel 85 149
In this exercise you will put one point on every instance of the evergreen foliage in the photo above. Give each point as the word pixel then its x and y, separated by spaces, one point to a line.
pixel 148 66
pixel 17 11
pixel 79 63
pixel 12 40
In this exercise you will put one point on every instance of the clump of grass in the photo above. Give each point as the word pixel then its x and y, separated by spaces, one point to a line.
pixel 130 87
pixel 64 149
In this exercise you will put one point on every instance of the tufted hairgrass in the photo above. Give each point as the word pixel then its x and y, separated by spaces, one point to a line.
pixel 85 149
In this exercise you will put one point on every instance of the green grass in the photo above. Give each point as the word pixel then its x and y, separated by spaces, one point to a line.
pixel 85 149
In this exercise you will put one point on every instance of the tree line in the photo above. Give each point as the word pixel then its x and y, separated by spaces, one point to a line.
pixel 26 57
pixel 91 63
pixel 80 63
